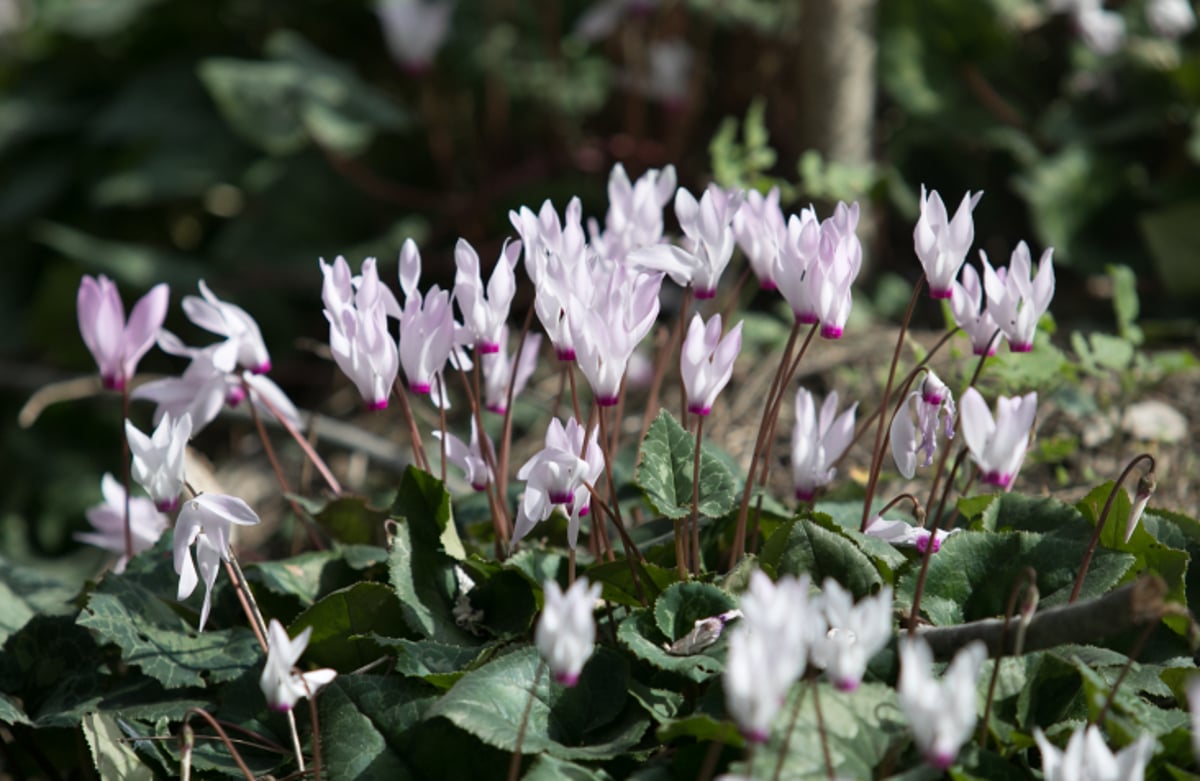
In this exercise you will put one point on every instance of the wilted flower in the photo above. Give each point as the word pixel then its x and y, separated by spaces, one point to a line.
pixel 930 401
pixel 942 243
pixel 818 441
pixel 566 632
pixel 1018 299
pixel 232 322
pixel 998 445
pixel 469 458
pixel 904 535
pixel 206 520
pixel 706 361
pixel 116 345
pixel 414 30
pixel 146 523
pixel 556 475
pixel 1087 758
pixel 280 684
pixel 483 316
pixel 856 632
pixel 158 459
pixel 941 713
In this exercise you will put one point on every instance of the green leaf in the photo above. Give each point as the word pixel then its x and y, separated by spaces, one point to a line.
pixel 155 639
pixel 662 704
pixel 804 546
pixel 549 768
pixel 350 520
pixel 639 633
pixel 436 663
pixel 845 518
pixel 587 721
pixel 111 754
pixel 341 622
pixel 1126 305
pixel 704 728
pixel 618 580
pixel 665 472
pixel 680 606
pixel 425 503
pixel 1174 244
pixel 309 575
pixel 10 711
pixel 363 718
pixel 26 592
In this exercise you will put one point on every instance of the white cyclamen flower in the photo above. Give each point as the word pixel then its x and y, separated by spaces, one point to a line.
pixel 997 445
pixel 706 361
pixel 1018 299
pixel 414 30
pixel 280 684
pixel 907 440
pixel 941 242
pixel 484 315
pixel 469 458
pixel 856 632
pixel 234 323
pixel 942 713
pixel 971 315
pixel 566 632
pixel 1087 758
pixel 146 523
pixel 818 441
pixel 206 521
pixel 158 459
pixel 903 534
pixel 1171 18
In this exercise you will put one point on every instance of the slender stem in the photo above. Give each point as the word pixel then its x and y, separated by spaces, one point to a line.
pixel 695 557
pixel 734 296
pixel 631 550
pixel 681 327
pixel 499 509
pixel 918 510
pixel 877 453
pixel 442 421
pixel 301 440
pixel 125 465
pixel 297 749
pixel 1026 581
pixel 187 740
pixel 1108 503
pixel 1134 653
pixel 506 437
pixel 739 534
pixel 711 758
pixel 816 687
pixel 413 432
pixel 787 736
pixel 314 720
pixel 237 758
pixel 681 545
pixel 948 523
pixel 929 548
pixel 514 766
pixel 664 340
pixel 570 567
pixel 258 632
pixel 574 390
pixel 618 416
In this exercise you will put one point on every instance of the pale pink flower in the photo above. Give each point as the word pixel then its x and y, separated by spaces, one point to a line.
pixel 907 440
pixel 760 231
pixel 855 633
pixel 280 683
pixel 566 631
pixel 499 371
pixel 232 322
pixel 414 30
pixel 556 475
pixel 903 534
pixel 1018 299
pixel 707 226
pixel 207 522
pixel 158 459
pixel 635 212
pixel 1087 758
pixel 469 458
pixel 359 339
pixel 818 441
pixel 146 523
pixel 970 314
pixel 941 242
pixel 484 316
pixel 997 445
pixel 1171 18
pixel 942 713
pixel 706 361
pixel 623 311
pixel 116 345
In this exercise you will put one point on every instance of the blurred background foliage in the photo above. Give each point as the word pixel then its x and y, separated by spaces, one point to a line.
pixel 240 140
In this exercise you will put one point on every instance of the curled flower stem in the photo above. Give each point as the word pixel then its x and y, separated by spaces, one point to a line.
pixel 1026 583
pixel 125 464
pixel 928 555
pixel 877 453
pixel 739 534
pixel 304 444
pixel 514 765
pixel 918 510
pixel 1108 503
pixel 237 758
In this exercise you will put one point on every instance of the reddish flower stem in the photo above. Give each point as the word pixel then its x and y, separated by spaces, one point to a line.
pixel 1108 503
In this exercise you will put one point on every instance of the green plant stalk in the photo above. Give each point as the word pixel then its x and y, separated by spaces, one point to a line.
pixel 928 555
pixel 514 765
pixel 125 466
pixel 695 522
pixel 877 453
pixel 1027 581
pixel 501 475
pixel 787 735
pixel 1112 495
pixel 821 732
pixel 739 534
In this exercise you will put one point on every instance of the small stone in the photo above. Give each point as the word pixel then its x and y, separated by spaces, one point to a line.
pixel 1155 421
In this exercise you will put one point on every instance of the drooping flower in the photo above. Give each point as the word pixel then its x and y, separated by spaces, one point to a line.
pixel 1087 758
pixel 414 30
pixel 146 523
pixel 635 212
pixel 158 459
pixel 818 441
pixel 484 316
pixel 941 242
pixel 1018 299
pixel 232 322
pixel 903 534
pixel 206 520
pixel 768 651
pixel 499 371
pixel 971 315
pixel 566 631
pixel 359 338
pixel 557 475
pixel 556 261
pixel 1145 489
pixel 707 226
pixel 117 345
pixel 280 683
pixel 942 713
pixel 427 339
pixel 997 445
pixel 706 361
pixel 623 311
pixel 908 439
pixel 760 231
pixel 1171 18
pixel 856 632
pixel 469 458
pixel 1101 30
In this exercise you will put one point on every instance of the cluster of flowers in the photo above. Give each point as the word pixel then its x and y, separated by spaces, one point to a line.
pixel 1103 30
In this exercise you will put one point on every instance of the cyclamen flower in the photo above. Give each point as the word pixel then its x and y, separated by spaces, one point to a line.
pixel 232 322
pixel 942 714
pixel 1018 299
pixel 635 212
pixel 760 230
pixel 904 535
pixel 556 261
pixel 970 314
pixel 1087 758
pixel 158 459
pixel 556 475
pixel 622 313
pixel 566 631
pixel 414 30
pixel 818 441
pixel 706 361
pixel 499 371
pixel 359 338
pixel 146 523
pixel 469 458
pixel 117 345
pixel 942 243
pixel 997 445
pixel 930 402
pixel 1101 30
pixel 427 340
pixel 816 265
pixel 856 633
pixel 280 684
pixel 1171 18
pixel 206 521
pixel 709 234
pixel 1145 489
pixel 484 317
